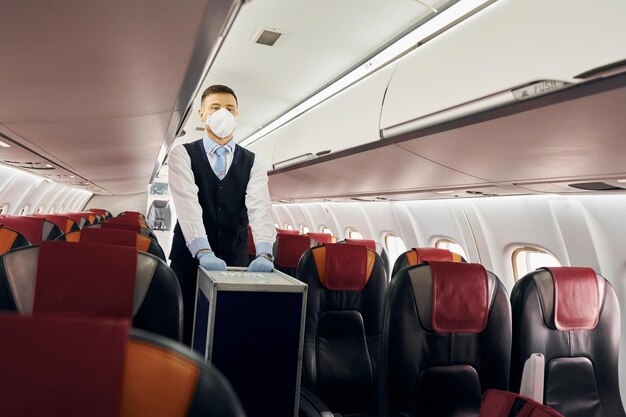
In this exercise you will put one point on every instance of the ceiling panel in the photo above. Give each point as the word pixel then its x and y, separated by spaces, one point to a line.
pixel 324 39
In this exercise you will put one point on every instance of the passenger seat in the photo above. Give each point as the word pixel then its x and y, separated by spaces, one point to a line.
pixel 35 229
pixel 416 256
pixel 288 249
pixel 571 316
pixel 92 280
pixel 116 237
pixel 77 367
pixel 346 290
pixel 447 340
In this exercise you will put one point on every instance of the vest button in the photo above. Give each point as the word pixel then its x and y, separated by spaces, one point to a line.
pixel 219 209
pixel 220 186
pixel 220 233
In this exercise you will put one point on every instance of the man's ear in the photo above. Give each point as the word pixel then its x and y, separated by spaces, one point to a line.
pixel 200 114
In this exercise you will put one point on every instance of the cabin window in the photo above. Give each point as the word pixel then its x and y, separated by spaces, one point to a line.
pixel 528 259
pixel 4 209
pixel 450 245
pixel 326 230
pixel 62 209
pixel 353 234
pixel 40 209
pixel 304 230
pixel 395 246
pixel 24 210
pixel 276 226
pixel 288 226
pixel 53 209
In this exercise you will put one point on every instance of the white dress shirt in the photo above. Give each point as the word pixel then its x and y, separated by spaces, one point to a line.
pixel 185 195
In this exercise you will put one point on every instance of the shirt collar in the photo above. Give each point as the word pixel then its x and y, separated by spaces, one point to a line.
pixel 210 145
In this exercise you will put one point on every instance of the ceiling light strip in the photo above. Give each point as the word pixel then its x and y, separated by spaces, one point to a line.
pixel 395 50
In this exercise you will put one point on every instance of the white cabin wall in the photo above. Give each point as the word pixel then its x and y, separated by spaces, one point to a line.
pixel 320 216
pixel 441 219
pixel 20 189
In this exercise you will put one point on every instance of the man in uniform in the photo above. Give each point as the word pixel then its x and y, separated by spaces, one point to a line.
pixel 218 188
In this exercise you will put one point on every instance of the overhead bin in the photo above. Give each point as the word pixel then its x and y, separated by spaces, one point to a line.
pixel 346 120
pixel 508 45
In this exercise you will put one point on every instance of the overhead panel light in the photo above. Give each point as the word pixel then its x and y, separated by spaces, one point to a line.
pixel 622 181
pixel 393 51
pixel 4 145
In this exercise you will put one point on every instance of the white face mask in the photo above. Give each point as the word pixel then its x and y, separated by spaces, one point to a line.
pixel 222 123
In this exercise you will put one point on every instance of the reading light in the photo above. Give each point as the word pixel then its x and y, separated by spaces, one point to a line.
pixel 393 51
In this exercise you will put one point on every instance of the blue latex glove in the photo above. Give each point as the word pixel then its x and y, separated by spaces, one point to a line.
pixel 261 264
pixel 210 262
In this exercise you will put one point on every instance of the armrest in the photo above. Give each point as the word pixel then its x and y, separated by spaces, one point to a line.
pixel 312 406
pixel 532 377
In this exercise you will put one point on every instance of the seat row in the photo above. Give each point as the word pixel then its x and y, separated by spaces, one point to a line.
pixel 440 334
pixel 19 231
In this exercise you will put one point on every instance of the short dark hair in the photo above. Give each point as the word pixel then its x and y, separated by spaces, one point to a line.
pixel 217 88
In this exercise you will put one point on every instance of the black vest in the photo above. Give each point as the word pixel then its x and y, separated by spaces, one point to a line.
pixel 223 203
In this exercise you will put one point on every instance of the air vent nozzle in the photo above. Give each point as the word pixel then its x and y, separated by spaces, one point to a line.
pixel 268 37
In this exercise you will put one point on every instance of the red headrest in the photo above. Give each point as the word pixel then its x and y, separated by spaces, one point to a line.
pixel 576 298
pixel 287 232
pixel 51 366
pixel 31 227
pixel 290 249
pixel 433 254
pixel 58 219
pixel 108 236
pixel 344 267
pixel 370 244
pixel 134 227
pixel 86 279
pixel 460 302
pixel 321 237
pixel 99 211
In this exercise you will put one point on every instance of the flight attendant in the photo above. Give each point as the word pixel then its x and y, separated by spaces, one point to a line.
pixel 218 188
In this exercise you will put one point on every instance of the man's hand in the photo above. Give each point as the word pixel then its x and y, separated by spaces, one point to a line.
pixel 261 264
pixel 210 262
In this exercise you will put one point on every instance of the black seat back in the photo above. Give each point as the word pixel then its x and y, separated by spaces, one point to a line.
pixel 447 339
pixel 346 287
pixel 571 316
pixel 92 279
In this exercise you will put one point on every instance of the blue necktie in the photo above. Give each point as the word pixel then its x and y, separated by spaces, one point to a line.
pixel 220 163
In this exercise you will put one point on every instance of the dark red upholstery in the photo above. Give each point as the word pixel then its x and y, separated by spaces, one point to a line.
pixel 104 213
pixel 30 227
pixel 346 267
pixel 498 403
pixel 576 298
pixel 321 238
pixel 287 232
pixel 109 224
pixel 109 236
pixel 460 297
pixel 61 367
pixel 290 248
pixel 370 244
pixel 433 254
pixel 79 278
